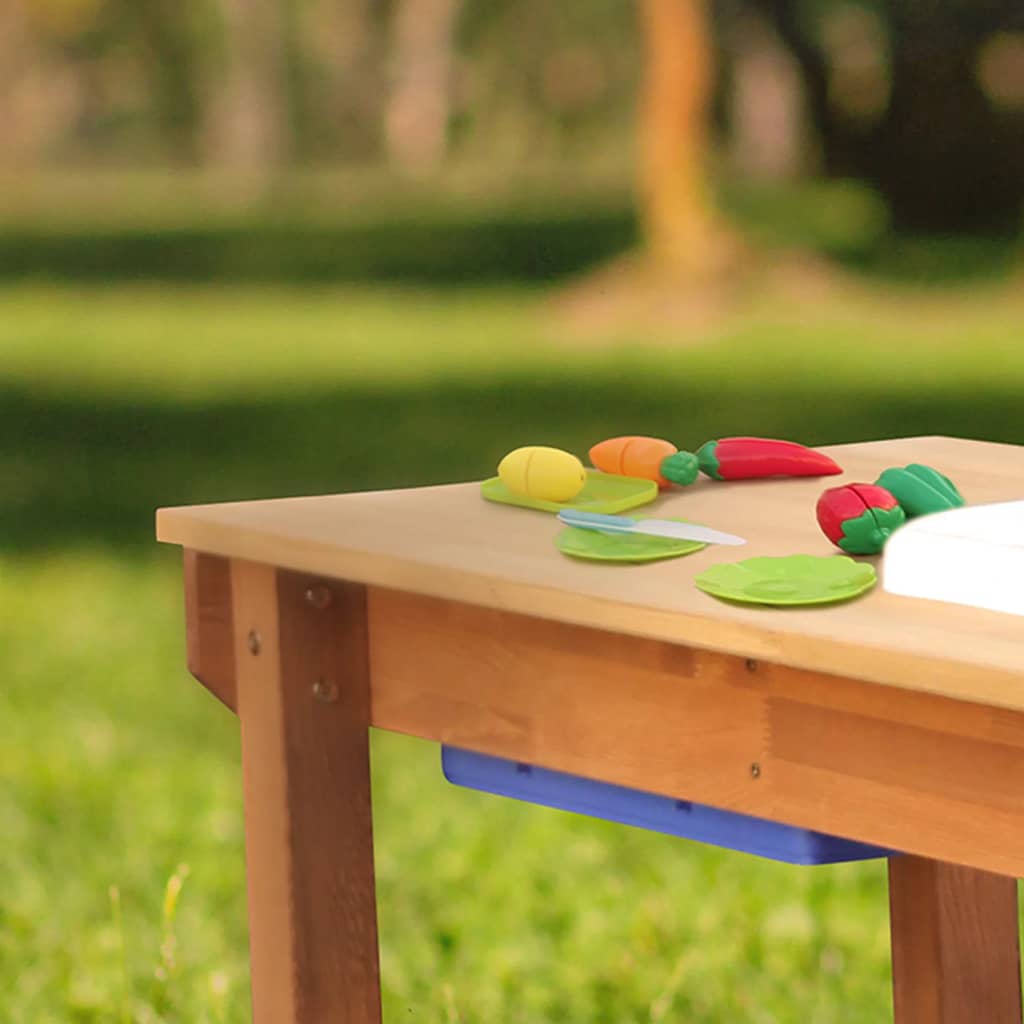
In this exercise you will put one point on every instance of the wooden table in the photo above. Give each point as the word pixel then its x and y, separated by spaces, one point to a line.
pixel 432 613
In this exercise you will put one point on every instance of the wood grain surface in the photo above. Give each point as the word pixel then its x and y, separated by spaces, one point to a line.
pixel 303 701
pixel 209 635
pixel 955 945
pixel 906 770
pixel 448 542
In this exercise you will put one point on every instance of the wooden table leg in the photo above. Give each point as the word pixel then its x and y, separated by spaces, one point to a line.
pixel 955 946
pixel 303 702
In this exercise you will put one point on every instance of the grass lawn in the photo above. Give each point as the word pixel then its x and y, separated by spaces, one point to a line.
pixel 122 854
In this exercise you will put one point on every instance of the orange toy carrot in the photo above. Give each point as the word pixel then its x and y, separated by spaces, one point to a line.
pixel 634 456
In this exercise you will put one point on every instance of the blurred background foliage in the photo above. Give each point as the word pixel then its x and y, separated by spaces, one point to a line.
pixel 431 140
pixel 921 100
pixel 252 248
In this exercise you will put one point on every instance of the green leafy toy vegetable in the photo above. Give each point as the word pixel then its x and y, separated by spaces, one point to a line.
pixel 920 490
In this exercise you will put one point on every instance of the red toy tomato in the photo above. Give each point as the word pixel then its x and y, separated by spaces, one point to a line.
pixel 859 517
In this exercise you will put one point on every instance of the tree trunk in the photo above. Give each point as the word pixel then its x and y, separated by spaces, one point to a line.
pixel 247 126
pixel 419 105
pixel 784 17
pixel 27 118
pixel 344 83
pixel 675 207
pixel 767 136
pixel 172 68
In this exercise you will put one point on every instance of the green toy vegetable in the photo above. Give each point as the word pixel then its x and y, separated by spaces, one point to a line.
pixel 920 490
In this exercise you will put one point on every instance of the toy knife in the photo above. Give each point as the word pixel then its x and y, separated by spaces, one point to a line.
pixel 653 527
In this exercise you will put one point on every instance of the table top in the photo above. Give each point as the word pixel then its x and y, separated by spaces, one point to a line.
pixel 448 542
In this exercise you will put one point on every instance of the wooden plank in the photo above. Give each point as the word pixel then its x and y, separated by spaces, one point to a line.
pixel 208 631
pixel 303 703
pixel 905 770
pixel 447 542
pixel 955 946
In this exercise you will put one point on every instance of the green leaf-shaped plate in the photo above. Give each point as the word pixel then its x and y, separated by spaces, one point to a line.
pixel 603 492
pixel 793 580
pixel 622 547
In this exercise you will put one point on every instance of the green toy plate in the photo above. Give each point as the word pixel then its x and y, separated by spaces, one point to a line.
pixel 793 580
pixel 603 492
pixel 622 547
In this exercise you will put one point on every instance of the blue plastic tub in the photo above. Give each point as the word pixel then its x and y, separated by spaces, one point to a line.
pixel 648 810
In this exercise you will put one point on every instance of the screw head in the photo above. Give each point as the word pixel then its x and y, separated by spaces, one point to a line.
pixel 325 692
pixel 751 664
pixel 755 771
pixel 318 595
pixel 254 642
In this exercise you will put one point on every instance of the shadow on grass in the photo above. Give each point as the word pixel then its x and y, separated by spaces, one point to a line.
pixel 441 246
pixel 76 470
pixel 429 249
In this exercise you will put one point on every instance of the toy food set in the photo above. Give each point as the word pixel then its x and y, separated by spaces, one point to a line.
pixel 579 541
pixel 945 551
pixel 631 470
pixel 732 458
pixel 920 490
pixel 643 457
pixel 753 458
pixel 547 474
pixel 677 528
pixel 549 479
pixel 859 517
pixel 792 580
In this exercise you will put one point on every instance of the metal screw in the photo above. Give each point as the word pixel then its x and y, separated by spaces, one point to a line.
pixel 755 771
pixel 325 691
pixel 318 596
pixel 751 665
pixel 255 642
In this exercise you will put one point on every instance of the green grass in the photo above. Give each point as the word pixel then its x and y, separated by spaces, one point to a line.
pixel 193 344
pixel 122 857
pixel 118 770
pixel 114 401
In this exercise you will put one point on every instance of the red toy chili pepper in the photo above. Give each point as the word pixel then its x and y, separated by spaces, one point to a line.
pixel 744 458
pixel 732 458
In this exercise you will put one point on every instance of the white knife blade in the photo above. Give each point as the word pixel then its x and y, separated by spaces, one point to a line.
pixel 652 527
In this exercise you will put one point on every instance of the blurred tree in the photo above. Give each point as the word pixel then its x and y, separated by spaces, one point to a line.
pixel 340 68
pixel 172 34
pixel 922 98
pixel 945 156
pixel 19 141
pixel 690 261
pixel 537 82
pixel 764 103
pixel 247 110
pixel 788 20
pixel 943 153
pixel 419 103
pixel 674 204
pixel 683 233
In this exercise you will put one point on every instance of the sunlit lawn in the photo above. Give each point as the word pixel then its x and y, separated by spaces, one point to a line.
pixel 119 777
pixel 187 343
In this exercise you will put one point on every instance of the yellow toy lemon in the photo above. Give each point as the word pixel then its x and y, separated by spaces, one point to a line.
pixel 548 474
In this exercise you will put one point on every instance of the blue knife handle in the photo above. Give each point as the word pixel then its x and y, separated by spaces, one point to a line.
pixel 594 520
